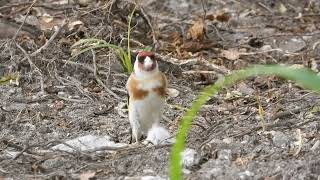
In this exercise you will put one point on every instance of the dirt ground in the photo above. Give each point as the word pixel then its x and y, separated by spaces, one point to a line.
pixel 262 128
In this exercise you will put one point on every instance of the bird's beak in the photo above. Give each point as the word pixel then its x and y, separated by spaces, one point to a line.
pixel 148 63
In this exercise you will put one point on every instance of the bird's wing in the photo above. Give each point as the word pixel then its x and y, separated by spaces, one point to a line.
pixel 128 90
pixel 164 80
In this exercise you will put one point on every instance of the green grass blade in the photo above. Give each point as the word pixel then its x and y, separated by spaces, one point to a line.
pixel 303 77
pixel 89 41
pixel 92 43
pixel 128 56
pixel 8 78
pixel 128 64
pixel 96 47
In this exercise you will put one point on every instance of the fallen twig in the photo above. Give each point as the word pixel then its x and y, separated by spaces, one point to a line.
pixel 32 65
pixel 154 38
pixel 299 142
pixel 199 72
pixel 24 21
pixel 55 34
pixel 95 73
pixel 289 112
pixel 265 7
pixel 14 5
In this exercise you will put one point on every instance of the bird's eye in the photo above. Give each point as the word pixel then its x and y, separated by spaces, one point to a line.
pixel 141 59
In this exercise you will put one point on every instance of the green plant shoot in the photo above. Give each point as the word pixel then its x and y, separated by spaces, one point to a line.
pixel 93 43
pixel 304 77
pixel 129 67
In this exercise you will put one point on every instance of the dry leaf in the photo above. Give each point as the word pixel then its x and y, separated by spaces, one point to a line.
pixel 176 39
pixel 197 31
pixel 219 16
pixel 245 89
pixel 47 22
pixel 47 18
pixel 84 3
pixel 194 46
pixel 87 175
pixel 73 24
pixel 31 20
pixel 231 54
pixel 223 17
pixel 282 9
pixel 210 17
pixel 58 105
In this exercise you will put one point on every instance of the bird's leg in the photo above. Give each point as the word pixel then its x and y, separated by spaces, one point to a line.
pixel 131 136
pixel 135 135
pixel 135 131
pixel 135 125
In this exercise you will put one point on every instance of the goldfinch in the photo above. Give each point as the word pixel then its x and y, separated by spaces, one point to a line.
pixel 147 88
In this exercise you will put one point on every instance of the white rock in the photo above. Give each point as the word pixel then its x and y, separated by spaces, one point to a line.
pixel 148 171
pixel 10 154
pixel 227 140
pixel 61 93
pixel 87 143
pixel 292 45
pixel 145 178
pixel 173 92
pixel 246 174
pixel 152 178
pixel 186 171
pixel 189 157
pixel 280 139
pixel 266 48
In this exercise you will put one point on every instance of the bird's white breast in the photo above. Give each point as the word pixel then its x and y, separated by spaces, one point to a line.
pixel 149 110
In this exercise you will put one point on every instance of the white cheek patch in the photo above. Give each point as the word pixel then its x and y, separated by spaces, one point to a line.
pixel 147 63
pixel 143 75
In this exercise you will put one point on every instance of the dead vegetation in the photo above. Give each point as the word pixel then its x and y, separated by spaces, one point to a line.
pixel 47 98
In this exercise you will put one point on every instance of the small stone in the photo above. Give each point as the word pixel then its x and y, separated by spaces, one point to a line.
pixel 228 140
pixel 144 178
pixel 44 129
pixel 292 45
pixel 189 158
pixel 244 89
pixel 148 171
pixel 61 93
pixel 246 175
pixel 216 171
pixel 186 171
pixel 10 154
pixel 280 139
pixel 53 163
pixel 266 48
pixel 225 154
pixel 173 93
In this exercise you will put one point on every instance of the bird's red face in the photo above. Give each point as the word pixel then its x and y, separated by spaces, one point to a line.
pixel 146 61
